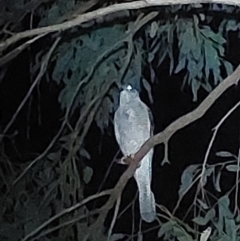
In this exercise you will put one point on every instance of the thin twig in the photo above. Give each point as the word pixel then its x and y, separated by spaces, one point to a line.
pixel 114 217
pixel 236 209
pixel 67 223
pixel 41 73
pixel 65 211
pixel 212 140
pixel 15 52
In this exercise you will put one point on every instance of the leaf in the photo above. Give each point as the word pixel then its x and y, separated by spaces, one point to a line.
pixel 224 237
pixel 237 219
pixel 207 86
pixel 53 156
pixel 216 183
pixel 87 174
pixel 233 168
pixel 197 5
pixel 203 204
pixel 170 54
pixel 217 73
pixel 162 54
pixel 210 215
pixel 153 50
pixel 153 29
pixel 200 221
pixel 102 117
pixel 117 236
pixel 148 89
pixel 181 234
pixel 187 179
pixel 196 52
pixel 231 228
pixel 216 37
pixel 223 205
pixel 187 39
pixel 232 25
pixel 181 65
pixel 195 85
pixel 211 57
pixel 224 154
pixel 192 68
pixel 204 220
pixel 228 67
pixel 206 174
pixel 165 228
pixel 85 153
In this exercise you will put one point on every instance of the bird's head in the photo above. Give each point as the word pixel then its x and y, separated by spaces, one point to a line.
pixel 128 94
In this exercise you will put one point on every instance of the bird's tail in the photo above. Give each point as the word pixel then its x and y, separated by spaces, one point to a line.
pixel 146 197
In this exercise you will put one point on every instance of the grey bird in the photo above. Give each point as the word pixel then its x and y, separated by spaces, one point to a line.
pixel 132 126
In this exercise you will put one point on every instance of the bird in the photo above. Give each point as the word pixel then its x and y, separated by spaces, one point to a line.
pixel 132 127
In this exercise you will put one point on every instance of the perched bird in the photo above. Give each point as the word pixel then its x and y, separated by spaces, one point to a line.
pixel 132 125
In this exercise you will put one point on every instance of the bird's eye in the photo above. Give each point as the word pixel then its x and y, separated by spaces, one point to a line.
pixel 129 87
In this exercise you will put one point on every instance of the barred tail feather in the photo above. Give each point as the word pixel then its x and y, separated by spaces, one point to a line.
pixel 147 206
pixel 146 196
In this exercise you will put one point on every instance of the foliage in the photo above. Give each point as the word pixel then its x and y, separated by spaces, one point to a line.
pixel 83 63
pixel 190 173
pixel 201 55
pixel 225 225
pixel 52 14
pixel 77 59
pixel 201 51
pixel 51 186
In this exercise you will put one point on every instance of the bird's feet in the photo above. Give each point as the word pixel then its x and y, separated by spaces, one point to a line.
pixel 125 160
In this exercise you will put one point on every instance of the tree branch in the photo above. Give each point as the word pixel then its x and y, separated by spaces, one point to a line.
pixel 15 52
pixel 102 12
pixel 164 136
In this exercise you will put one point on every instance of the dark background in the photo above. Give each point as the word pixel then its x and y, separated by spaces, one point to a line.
pixel 40 120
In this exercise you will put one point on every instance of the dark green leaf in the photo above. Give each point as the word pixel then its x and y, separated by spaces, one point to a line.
pixel 84 153
pixel 233 168
pixel 195 85
pixel 117 236
pixel 223 204
pixel 216 37
pixel 204 220
pixel 187 179
pixel 181 65
pixel 216 183
pixel 207 86
pixel 203 204
pixel 200 221
pixel 224 154
pixel 153 29
pixel 87 174
pixel 206 174
pixel 148 89
pixel 231 228
pixel 228 67
pixel 162 54
pixel 165 228
pixel 232 25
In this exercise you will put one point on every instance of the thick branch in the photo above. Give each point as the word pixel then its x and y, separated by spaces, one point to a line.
pixel 189 118
pixel 102 12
